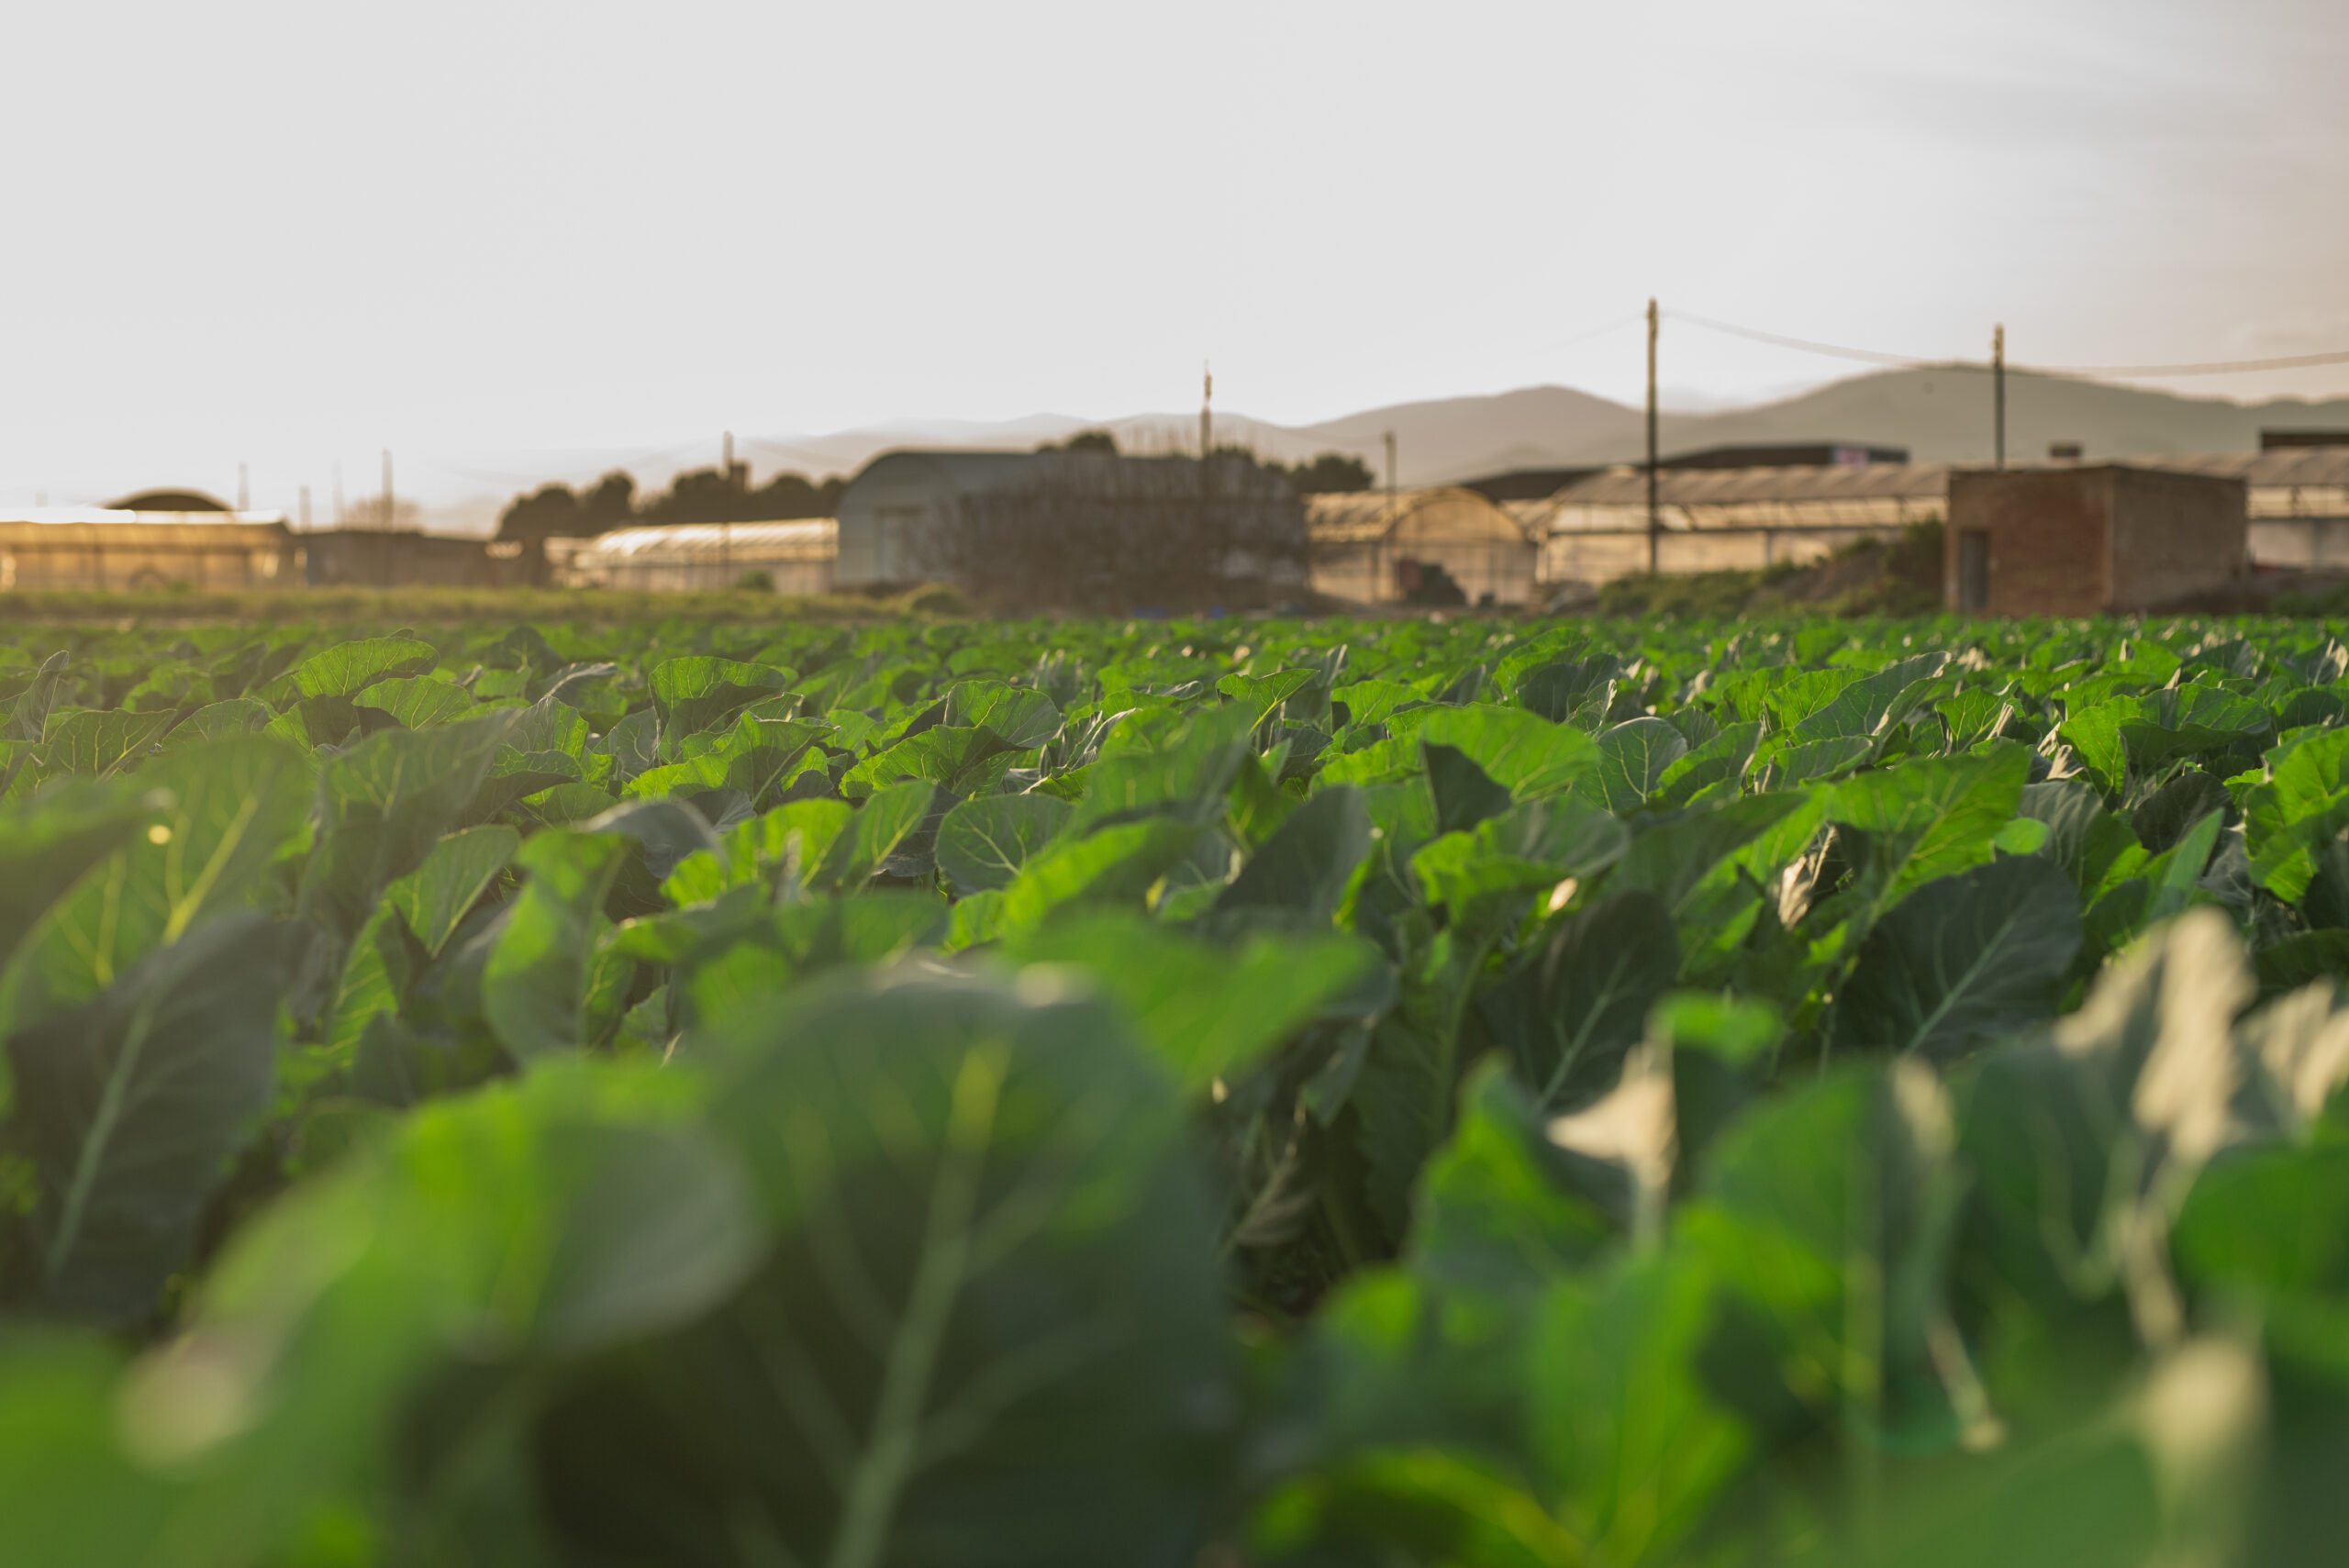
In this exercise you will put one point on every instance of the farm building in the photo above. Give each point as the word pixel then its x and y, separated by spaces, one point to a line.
pixel 1374 547
pixel 795 556
pixel 1096 527
pixel 1595 528
pixel 405 558
pixel 143 546
pixel 2088 541
pixel 2298 502
pixel 1714 519
pixel 892 513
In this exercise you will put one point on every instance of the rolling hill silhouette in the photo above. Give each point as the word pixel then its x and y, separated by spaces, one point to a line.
pixel 1942 414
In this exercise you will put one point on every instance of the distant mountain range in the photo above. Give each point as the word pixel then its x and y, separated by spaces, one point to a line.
pixel 1940 414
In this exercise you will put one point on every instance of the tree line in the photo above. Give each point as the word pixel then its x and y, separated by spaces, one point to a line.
pixel 711 495
pixel 696 495
pixel 1329 474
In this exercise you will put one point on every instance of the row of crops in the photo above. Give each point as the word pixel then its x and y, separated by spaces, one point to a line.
pixel 1164 1094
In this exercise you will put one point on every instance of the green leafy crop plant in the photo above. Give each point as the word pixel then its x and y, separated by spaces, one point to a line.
pixel 1234 1092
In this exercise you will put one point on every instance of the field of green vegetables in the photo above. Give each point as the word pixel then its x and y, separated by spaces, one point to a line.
pixel 1174 1093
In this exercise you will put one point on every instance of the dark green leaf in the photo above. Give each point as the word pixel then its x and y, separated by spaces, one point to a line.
pixel 982 842
pixel 535 988
pixel 1962 960
pixel 1672 859
pixel 349 668
pixel 694 692
pixel 1303 869
pixel 1023 717
pixel 28 716
pixel 1633 757
pixel 133 1103
pixel 1464 796
pixel 1001 1190
pixel 416 702
pixel 383 805
pixel 235 803
pixel 1572 1010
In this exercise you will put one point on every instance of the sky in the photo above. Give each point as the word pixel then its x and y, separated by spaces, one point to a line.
pixel 506 240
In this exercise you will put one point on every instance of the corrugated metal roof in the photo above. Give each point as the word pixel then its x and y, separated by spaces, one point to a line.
pixel 979 470
pixel 2280 468
pixel 1356 516
pixel 1628 485
pixel 2284 482
pixel 153 519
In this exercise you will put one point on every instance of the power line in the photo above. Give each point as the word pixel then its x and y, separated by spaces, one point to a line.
pixel 2221 367
pixel 1865 356
pixel 1553 344
pixel 1910 362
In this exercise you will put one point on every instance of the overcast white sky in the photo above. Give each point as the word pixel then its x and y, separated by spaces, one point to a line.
pixel 483 233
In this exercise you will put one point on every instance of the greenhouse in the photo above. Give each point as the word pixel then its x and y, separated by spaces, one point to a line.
pixel 1596 530
pixel 116 547
pixel 2300 502
pixel 796 557
pixel 1378 547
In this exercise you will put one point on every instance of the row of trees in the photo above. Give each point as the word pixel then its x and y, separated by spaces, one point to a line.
pixel 1329 474
pixel 713 495
pixel 698 496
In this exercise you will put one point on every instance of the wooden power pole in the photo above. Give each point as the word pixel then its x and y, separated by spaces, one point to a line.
pixel 1655 517
pixel 1999 395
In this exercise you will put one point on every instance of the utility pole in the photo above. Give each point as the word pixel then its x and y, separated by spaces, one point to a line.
pixel 1206 411
pixel 387 487
pixel 1655 517
pixel 339 514
pixel 1390 476
pixel 305 508
pixel 734 484
pixel 1998 395
pixel 244 491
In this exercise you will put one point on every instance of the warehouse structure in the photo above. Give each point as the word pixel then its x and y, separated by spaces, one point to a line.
pixel 406 558
pixel 138 546
pixel 794 557
pixel 1376 546
pixel 2104 539
pixel 1080 526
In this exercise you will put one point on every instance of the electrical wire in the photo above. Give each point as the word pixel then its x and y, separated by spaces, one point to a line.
pixel 1865 356
pixel 1907 361
pixel 2221 367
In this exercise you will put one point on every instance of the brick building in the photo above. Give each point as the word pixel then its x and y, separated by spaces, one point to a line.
pixel 2107 538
